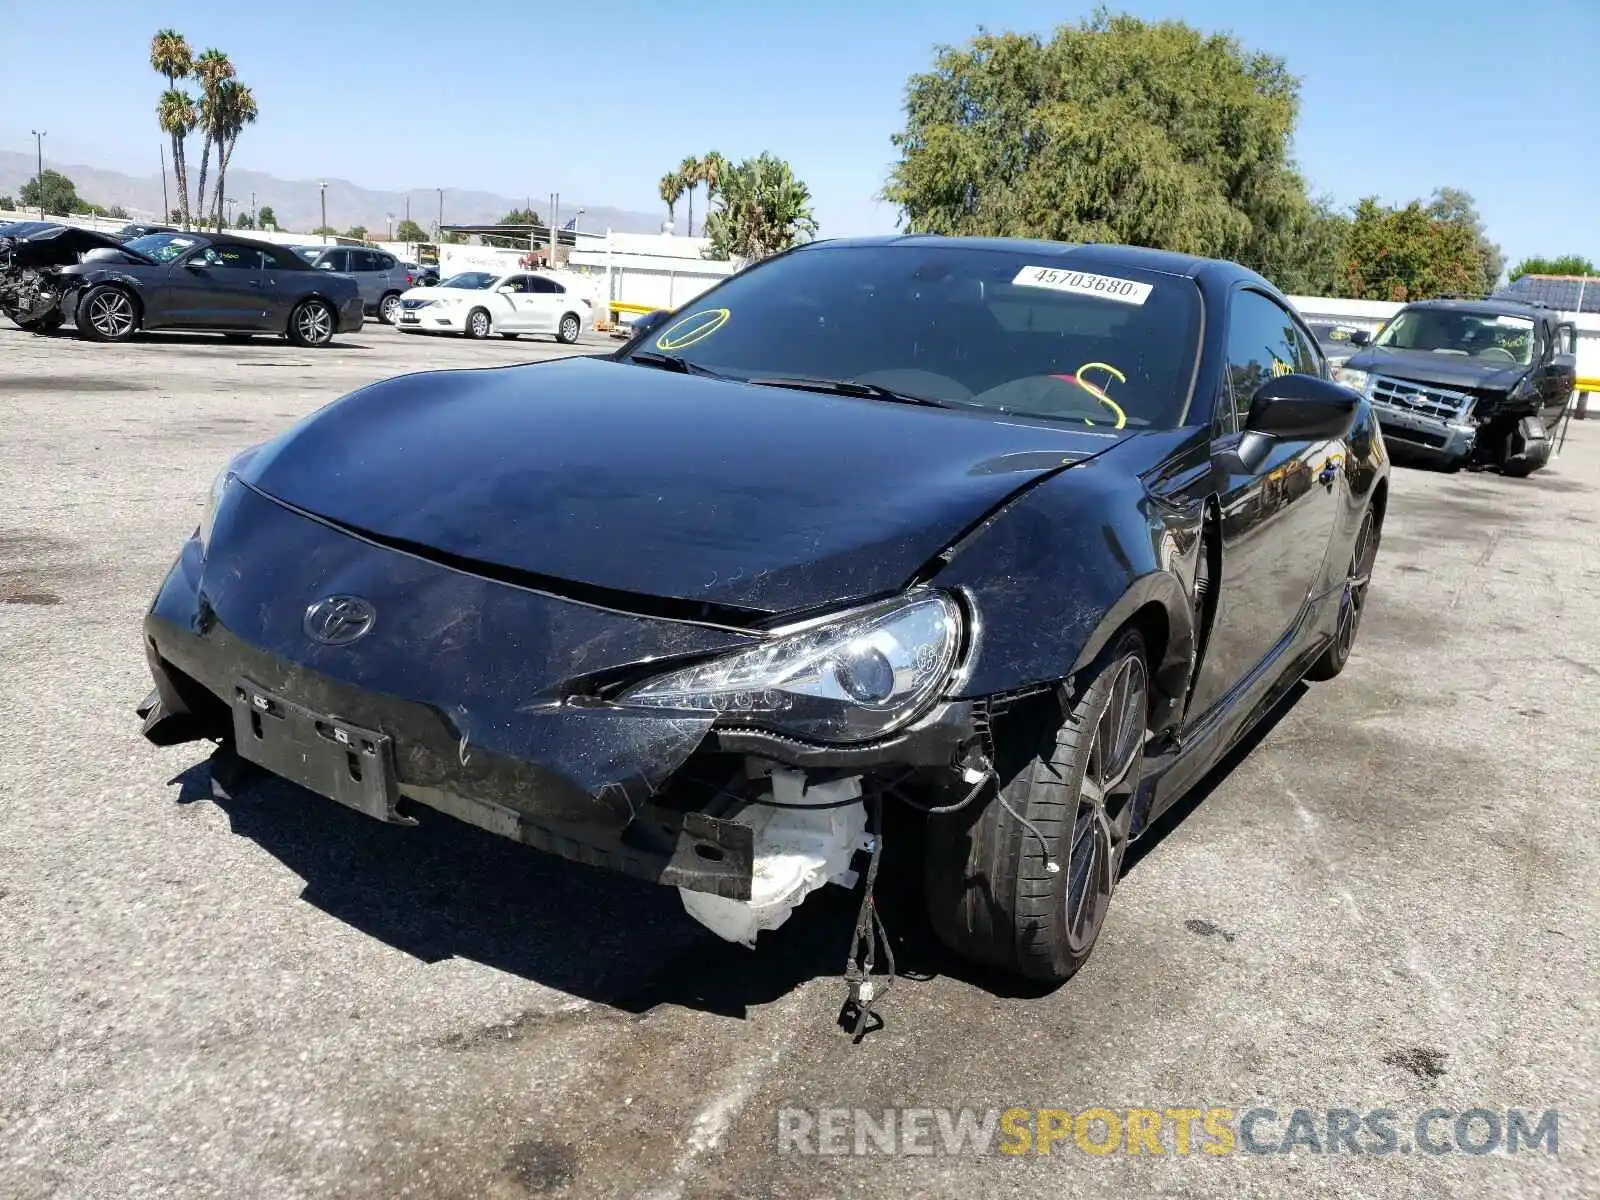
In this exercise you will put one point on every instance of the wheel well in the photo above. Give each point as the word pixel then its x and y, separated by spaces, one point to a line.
pixel 118 285
pixel 329 304
pixel 1380 502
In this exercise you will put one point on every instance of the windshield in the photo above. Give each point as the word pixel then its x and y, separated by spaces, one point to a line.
pixel 1012 331
pixel 472 281
pixel 1487 336
pixel 163 247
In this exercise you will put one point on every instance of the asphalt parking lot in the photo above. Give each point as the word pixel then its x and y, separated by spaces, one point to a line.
pixel 1388 902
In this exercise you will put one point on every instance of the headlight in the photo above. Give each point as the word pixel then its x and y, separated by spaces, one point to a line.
pixel 850 678
pixel 1351 378
pixel 236 464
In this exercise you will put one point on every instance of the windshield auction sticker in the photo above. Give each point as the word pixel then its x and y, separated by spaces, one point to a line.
pixel 1107 287
pixel 692 329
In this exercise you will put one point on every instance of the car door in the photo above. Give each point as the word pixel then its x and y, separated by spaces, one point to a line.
pixel 217 286
pixel 1558 369
pixel 1277 516
pixel 511 300
pixel 284 280
pixel 546 304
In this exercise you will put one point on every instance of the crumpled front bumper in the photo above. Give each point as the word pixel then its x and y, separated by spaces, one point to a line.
pixel 470 680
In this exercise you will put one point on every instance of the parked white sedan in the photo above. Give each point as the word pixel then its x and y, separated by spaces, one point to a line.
pixel 478 303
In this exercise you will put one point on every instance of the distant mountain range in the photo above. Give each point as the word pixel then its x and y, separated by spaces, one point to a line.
pixel 297 203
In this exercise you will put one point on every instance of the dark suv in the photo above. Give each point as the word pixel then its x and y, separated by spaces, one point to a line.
pixel 1469 382
pixel 380 276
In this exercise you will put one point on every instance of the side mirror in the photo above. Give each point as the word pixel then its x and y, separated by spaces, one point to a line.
pixel 1302 408
pixel 506 290
pixel 324 266
pixel 648 322
pixel 1360 337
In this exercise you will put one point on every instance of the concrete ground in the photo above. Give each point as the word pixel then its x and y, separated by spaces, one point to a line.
pixel 1389 902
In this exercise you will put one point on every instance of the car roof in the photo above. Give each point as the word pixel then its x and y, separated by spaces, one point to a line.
pixel 1499 308
pixel 1077 254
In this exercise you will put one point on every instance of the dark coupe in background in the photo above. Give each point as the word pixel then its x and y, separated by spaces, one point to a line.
pixel 111 290
pixel 1025 533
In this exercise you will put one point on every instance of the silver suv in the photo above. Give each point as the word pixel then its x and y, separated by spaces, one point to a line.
pixel 380 276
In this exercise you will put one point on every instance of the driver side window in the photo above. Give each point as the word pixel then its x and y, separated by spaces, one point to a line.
pixel 1264 342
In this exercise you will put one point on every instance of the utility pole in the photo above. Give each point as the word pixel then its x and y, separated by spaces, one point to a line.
pixel 555 217
pixel 324 188
pixel 390 218
pixel 254 224
pixel 166 212
pixel 38 141
pixel 438 232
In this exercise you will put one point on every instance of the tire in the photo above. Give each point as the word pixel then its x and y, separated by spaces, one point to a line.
pixel 567 332
pixel 389 309
pixel 108 313
pixel 510 337
pixel 991 895
pixel 311 324
pixel 478 324
pixel 1352 601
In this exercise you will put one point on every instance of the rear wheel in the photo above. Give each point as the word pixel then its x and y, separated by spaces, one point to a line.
pixel 477 324
pixel 1352 602
pixel 311 324
pixel 107 314
pixel 389 309
pixel 992 895
pixel 567 331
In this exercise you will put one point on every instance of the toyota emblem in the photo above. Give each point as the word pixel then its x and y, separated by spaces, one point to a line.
pixel 339 620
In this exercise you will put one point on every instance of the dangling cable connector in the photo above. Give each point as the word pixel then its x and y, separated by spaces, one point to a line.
pixel 865 994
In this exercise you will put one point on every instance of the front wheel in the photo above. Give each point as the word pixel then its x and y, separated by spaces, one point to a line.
pixel 567 331
pixel 1352 602
pixel 1064 801
pixel 311 324
pixel 107 314
pixel 477 324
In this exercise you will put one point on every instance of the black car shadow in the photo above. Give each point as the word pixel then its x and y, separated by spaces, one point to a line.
pixel 444 889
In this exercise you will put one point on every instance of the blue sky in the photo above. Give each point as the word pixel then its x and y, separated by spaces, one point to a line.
pixel 597 101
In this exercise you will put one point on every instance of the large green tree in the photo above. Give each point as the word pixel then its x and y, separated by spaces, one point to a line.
pixel 1119 130
pixel 267 218
pixel 1457 207
pixel 53 192
pixel 762 208
pixel 1566 264
pixel 410 231
pixel 1409 254
pixel 212 69
pixel 517 216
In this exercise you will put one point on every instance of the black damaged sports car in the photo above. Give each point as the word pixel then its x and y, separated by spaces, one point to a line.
pixel 1020 534
pixel 112 289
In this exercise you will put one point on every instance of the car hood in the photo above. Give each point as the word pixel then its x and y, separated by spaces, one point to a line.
pixel 1446 370
pixel 45 244
pixel 619 481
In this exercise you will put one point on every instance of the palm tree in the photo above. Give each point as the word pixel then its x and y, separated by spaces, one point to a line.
pixel 713 170
pixel 211 69
pixel 170 56
pixel 765 209
pixel 177 115
pixel 236 107
pixel 689 172
pixel 671 191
